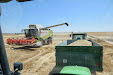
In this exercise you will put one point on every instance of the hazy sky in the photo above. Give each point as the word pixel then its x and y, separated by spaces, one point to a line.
pixel 82 15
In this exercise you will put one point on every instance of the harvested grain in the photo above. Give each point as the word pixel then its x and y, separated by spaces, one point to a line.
pixel 81 43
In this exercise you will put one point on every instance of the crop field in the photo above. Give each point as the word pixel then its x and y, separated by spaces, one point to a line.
pixel 40 61
pixel 103 35
pixel 105 39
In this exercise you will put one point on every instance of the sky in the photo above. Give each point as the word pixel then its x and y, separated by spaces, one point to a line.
pixel 81 15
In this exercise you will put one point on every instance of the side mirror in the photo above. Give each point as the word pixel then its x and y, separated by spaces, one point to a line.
pixel 18 66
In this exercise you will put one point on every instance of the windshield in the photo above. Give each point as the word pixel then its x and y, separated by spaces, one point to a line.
pixel 33 33
pixel 27 33
pixel 30 32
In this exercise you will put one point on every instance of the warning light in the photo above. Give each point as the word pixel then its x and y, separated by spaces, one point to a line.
pixel 97 64
pixel 59 63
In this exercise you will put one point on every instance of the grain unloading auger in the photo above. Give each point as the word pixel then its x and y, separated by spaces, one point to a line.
pixel 35 35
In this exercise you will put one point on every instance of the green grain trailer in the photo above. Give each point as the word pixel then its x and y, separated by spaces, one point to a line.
pixel 85 56
pixel 75 70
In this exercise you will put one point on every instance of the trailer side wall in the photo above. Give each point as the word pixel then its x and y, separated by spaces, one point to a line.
pixel 88 56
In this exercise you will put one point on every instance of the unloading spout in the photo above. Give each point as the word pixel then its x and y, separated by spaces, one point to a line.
pixel 54 26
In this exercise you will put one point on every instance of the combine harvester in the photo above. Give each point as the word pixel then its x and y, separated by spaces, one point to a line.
pixel 35 36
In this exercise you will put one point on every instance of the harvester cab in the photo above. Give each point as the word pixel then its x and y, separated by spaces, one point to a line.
pixel 33 31
pixel 29 33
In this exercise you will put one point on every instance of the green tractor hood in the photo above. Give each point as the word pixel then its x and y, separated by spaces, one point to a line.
pixel 77 70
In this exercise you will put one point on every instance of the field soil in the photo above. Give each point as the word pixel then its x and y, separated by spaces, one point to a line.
pixel 40 61
pixel 102 35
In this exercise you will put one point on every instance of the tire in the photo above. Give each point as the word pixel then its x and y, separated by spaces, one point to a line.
pixel 51 40
pixel 48 42
pixel 42 42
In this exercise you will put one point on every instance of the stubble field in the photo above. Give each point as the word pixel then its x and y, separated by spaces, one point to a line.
pixel 40 61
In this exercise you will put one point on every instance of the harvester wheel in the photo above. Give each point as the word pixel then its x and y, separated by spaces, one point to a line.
pixel 42 42
pixel 49 41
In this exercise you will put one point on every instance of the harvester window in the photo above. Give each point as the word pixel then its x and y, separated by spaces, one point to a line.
pixel 33 32
pixel 27 33
pixel 30 32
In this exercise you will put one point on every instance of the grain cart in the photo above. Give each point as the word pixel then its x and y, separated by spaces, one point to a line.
pixel 35 35
pixel 80 60
pixel 78 36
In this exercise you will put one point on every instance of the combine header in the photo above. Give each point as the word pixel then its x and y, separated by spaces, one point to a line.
pixel 35 35
pixel 23 41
